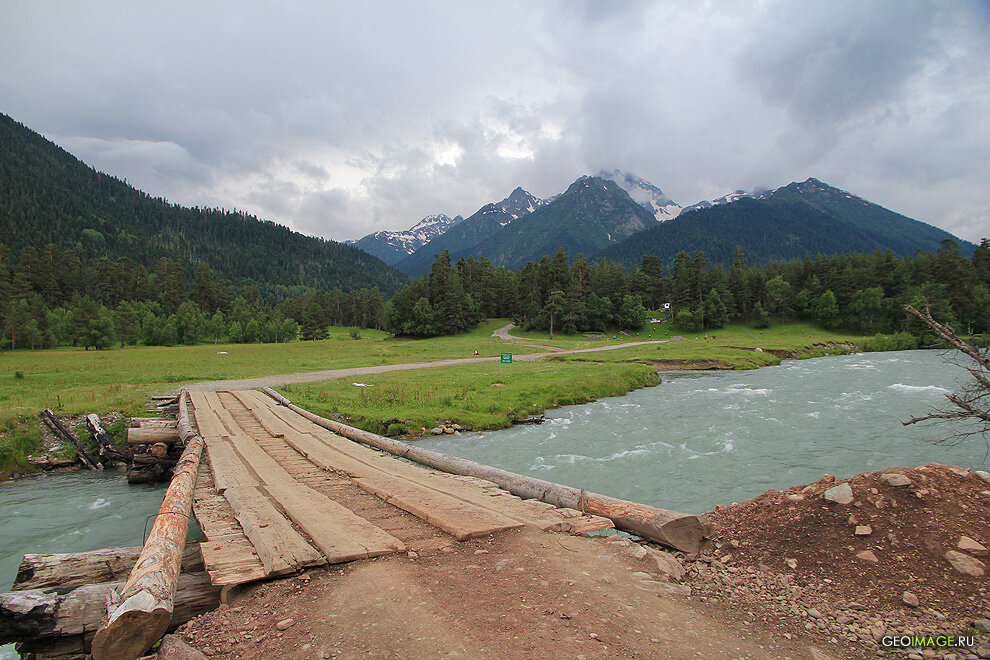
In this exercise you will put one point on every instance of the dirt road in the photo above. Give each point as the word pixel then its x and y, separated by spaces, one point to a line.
pixel 334 374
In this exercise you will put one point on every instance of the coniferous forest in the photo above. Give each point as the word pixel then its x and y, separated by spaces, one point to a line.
pixel 858 292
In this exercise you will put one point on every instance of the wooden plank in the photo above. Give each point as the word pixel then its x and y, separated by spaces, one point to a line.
pixel 232 562
pixel 278 545
pixel 338 533
pixel 228 469
pixel 207 422
pixel 532 513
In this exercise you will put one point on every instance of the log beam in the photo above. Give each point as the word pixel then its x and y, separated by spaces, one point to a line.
pixel 141 614
pixel 682 531
pixel 151 436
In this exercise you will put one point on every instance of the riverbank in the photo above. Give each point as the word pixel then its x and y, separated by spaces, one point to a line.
pixel 77 382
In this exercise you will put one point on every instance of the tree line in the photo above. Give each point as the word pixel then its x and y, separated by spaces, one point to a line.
pixel 51 298
pixel 859 292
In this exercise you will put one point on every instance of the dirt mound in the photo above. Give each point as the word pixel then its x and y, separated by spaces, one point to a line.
pixel 845 568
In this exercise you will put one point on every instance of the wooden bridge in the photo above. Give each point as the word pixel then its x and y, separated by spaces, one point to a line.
pixel 275 490
pixel 277 493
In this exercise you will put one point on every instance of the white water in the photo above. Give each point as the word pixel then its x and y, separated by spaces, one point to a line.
pixel 705 438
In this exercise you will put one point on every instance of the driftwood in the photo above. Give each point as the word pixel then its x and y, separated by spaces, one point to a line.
pixel 103 440
pixel 74 569
pixel 45 614
pixel 151 436
pixel 141 614
pixel 678 530
pixel 56 425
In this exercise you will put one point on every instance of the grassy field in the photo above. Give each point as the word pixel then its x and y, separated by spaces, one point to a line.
pixel 74 381
pixel 477 396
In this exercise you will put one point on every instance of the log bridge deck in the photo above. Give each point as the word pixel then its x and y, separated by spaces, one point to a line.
pixel 276 494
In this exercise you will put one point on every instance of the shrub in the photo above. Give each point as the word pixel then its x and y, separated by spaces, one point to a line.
pixel 901 341
pixel 354 333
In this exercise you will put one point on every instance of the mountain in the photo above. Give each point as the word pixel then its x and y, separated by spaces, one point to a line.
pixel 733 196
pixel 645 193
pixel 797 220
pixel 463 237
pixel 49 196
pixel 394 246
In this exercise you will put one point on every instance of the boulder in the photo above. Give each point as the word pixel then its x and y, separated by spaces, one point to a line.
pixel 965 564
pixel 896 479
pixel 863 530
pixel 173 648
pixel 983 475
pixel 910 599
pixel 668 565
pixel 971 546
pixel 841 494
pixel 867 555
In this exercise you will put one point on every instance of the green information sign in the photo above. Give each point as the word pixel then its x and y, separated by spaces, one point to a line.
pixel 506 358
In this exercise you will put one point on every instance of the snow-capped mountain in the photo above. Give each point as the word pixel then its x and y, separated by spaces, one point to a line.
pixel 724 199
pixel 393 246
pixel 484 223
pixel 645 193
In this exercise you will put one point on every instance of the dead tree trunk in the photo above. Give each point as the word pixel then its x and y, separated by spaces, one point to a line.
pixel 678 530
pixel 56 424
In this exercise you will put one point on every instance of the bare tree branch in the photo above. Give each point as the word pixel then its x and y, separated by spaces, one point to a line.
pixel 972 402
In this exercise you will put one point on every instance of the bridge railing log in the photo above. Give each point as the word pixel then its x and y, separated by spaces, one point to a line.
pixel 682 531
pixel 143 610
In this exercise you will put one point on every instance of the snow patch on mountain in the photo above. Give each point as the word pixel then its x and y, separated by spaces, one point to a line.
pixel 645 194
pixel 412 239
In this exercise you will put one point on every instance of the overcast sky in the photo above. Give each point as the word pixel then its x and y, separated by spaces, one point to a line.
pixel 339 119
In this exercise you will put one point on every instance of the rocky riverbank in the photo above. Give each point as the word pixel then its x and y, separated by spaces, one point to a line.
pixel 859 561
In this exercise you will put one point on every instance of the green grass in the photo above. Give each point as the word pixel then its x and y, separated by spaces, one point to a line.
pixel 477 396
pixel 730 347
pixel 73 381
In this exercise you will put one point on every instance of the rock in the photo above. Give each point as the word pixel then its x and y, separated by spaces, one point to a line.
pixel 676 589
pixel 436 430
pixel 841 494
pixel 285 624
pixel 971 546
pixel 896 479
pixel 909 599
pixel 863 530
pixel 412 554
pixel 795 497
pixel 173 648
pixel 814 614
pixel 982 625
pixel 867 555
pixel 668 565
pixel 983 475
pixel 639 552
pixel 791 563
pixel 965 564
pixel 448 430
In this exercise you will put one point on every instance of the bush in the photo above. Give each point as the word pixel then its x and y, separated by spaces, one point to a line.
pixel 901 341
pixel 354 333
pixel 18 374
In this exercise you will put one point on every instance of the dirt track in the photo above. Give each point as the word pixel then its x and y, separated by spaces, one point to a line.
pixel 334 374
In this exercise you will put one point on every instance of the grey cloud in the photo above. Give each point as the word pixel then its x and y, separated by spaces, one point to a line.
pixel 343 121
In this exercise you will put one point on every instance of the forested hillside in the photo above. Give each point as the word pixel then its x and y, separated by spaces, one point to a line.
pixel 859 292
pixel 47 196
pixel 798 220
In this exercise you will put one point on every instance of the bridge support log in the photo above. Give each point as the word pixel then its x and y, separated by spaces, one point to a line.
pixel 151 436
pixel 682 531
pixel 141 614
